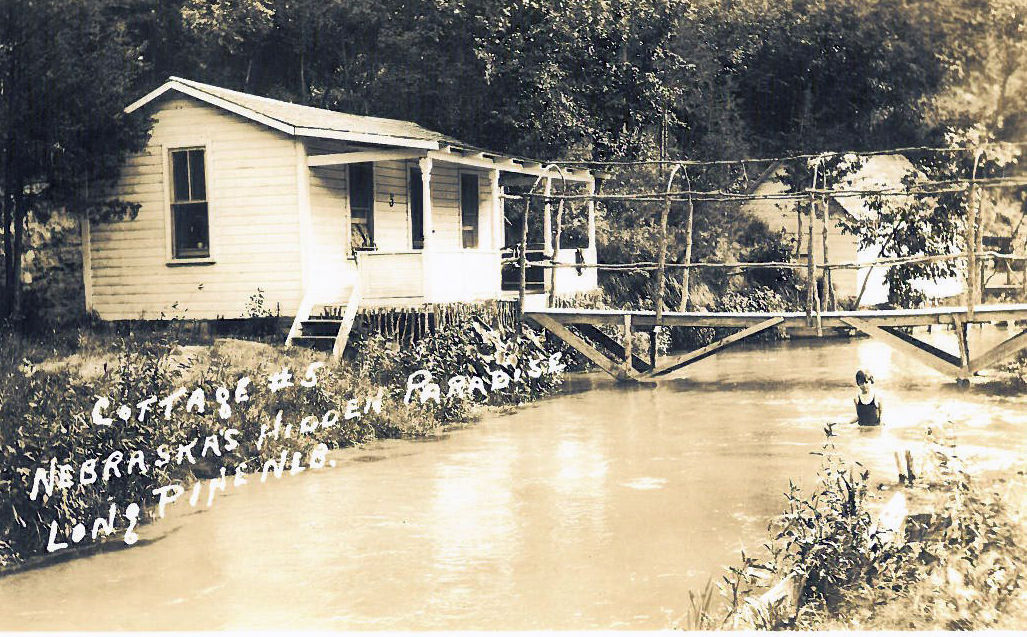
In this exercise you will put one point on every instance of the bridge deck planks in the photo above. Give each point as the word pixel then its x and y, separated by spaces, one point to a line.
pixel 879 324
pixel 890 318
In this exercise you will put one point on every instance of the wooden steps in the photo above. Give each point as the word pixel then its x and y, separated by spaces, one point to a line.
pixel 325 326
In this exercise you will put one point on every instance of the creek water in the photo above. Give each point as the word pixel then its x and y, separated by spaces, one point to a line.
pixel 598 508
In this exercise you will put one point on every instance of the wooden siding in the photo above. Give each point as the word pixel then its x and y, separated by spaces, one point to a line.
pixel 391 213
pixel 395 270
pixel 463 275
pixel 254 226
pixel 332 271
pixel 445 202
pixel 568 281
pixel 386 275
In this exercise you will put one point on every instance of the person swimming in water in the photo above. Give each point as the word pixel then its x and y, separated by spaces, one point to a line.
pixel 868 402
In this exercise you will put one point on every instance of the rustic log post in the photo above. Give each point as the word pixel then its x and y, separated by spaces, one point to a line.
pixel 686 271
pixel 560 215
pixel 547 218
pixel 979 246
pixel 964 349
pixel 524 253
pixel 593 191
pixel 811 275
pixel 1023 282
pixel 556 252
pixel 910 476
pixel 971 241
pixel 661 268
pixel 627 370
pixel 827 295
pixel 523 263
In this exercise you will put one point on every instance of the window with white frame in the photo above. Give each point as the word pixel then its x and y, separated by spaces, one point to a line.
pixel 190 221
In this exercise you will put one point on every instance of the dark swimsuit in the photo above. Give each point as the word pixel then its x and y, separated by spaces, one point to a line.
pixel 867 413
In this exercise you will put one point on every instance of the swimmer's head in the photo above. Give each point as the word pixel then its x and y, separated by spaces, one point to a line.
pixel 864 378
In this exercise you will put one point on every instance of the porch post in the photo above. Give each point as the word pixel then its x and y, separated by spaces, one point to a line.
pixel 498 237
pixel 591 215
pixel 425 165
pixel 547 220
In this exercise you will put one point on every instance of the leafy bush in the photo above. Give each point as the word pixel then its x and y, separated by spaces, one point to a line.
pixel 957 570
pixel 467 348
pixel 46 413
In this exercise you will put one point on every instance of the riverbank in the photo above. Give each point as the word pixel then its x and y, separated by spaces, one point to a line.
pixel 597 508
pixel 941 548
pixel 93 406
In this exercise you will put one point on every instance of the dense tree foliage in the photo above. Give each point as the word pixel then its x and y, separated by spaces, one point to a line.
pixel 586 79
pixel 66 70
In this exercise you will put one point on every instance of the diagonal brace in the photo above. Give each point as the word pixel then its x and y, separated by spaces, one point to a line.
pixel 560 331
pixel 927 354
pixel 681 360
pixel 602 338
pixel 1001 352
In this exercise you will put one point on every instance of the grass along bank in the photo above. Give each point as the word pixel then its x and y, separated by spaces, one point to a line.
pixel 50 385
pixel 939 552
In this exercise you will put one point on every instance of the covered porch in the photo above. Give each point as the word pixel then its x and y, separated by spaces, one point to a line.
pixel 417 226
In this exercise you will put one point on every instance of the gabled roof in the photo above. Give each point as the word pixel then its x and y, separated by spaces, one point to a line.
pixel 878 172
pixel 307 121
pixel 296 119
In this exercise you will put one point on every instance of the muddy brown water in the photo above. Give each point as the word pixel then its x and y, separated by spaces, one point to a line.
pixel 599 508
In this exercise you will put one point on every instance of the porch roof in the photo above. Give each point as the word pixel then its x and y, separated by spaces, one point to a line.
pixel 307 121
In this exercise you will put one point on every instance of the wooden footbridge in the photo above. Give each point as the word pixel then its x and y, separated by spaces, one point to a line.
pixel 623 363
pixel 618 358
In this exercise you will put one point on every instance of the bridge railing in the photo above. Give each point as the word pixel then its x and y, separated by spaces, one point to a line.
pixel 815 304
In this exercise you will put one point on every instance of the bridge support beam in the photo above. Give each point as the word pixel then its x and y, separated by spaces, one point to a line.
pixel 926 353
pixel 1001 352
pixel 681 360
pixel 596 335
pixel 614 368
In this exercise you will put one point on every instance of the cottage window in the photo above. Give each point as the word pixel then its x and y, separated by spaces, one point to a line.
pixel 361 206
pixel 469 202
pixel 189 219
pixel 416 209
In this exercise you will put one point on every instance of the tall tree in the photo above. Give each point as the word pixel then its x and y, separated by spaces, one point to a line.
pixel 66 71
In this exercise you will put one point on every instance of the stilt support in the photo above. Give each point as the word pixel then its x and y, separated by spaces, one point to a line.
pixel 964 348
pixel 681 360
pixel 596 335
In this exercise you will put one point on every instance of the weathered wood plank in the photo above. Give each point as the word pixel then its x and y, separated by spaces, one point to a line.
pixel 347 323
pixel 626 368
pixel 893 318
pixel 681 360
pixel 597 335
pixel 927 354
pixel 609 365
pixel 1003 351
pixel 951 359
pixel 964 348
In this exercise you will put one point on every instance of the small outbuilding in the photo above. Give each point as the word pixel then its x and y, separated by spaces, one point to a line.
pixel 867 283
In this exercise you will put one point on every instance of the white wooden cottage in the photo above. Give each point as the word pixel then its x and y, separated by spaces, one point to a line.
pixel 311 206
